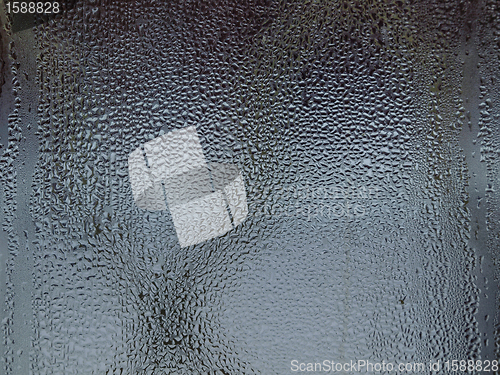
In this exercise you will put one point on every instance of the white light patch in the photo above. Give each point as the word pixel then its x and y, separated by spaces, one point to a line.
pixel 199 195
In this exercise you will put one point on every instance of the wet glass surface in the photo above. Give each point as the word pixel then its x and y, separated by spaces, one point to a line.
pixel 366 135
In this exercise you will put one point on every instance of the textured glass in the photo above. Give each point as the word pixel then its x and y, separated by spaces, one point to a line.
pixel 353 156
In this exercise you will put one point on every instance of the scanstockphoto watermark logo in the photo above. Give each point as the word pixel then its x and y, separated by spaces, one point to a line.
pixel 205 200
pixel 360 366
pixel 294 200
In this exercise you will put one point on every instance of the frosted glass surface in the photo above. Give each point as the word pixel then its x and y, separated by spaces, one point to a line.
pixel 334 195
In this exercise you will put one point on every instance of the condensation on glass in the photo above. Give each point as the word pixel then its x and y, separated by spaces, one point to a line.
pixel 348 151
